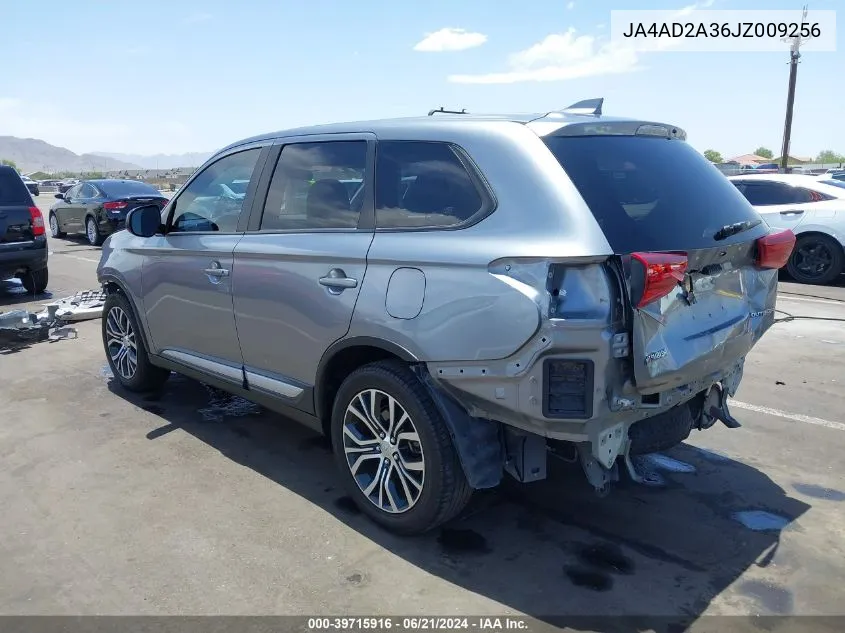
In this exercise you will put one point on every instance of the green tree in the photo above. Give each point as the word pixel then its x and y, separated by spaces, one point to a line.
pixel 10 163
pixel 713 156
pixel 765 152
pixel 829 156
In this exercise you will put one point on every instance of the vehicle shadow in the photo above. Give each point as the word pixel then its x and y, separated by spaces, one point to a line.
pixel 13 293
pixel 640 559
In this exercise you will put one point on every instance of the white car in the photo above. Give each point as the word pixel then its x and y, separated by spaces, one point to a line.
pixel 814 209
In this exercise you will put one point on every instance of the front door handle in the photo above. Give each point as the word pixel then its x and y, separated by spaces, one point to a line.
pixel 216 270
pixel 337 279
pixel 792 212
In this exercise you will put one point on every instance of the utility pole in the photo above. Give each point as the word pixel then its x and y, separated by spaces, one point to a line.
pixel 794 56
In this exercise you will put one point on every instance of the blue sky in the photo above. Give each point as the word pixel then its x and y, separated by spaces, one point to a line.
pixel 183 75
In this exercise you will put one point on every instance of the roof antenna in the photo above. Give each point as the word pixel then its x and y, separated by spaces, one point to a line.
pixel 442 110
pixel 588 106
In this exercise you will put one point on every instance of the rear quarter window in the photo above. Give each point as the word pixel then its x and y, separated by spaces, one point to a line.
pixel 653 194
pixel 13 191
pixel 425 184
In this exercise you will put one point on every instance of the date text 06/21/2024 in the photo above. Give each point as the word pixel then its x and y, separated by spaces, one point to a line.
pixel 419 623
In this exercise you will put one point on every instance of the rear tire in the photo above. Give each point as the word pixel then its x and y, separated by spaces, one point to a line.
pixel 55 231
pixel 415 476
pixel 92 232
pixel 125 349
pixel 816 259
pixel 35 282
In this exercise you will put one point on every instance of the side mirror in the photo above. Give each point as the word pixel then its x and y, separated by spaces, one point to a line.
pixel 60 196
pixel 144 221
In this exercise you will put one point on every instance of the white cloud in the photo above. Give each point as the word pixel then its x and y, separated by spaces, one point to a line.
pixel 450 39
pixel 568 55
pixel 559 57
pixel 570 5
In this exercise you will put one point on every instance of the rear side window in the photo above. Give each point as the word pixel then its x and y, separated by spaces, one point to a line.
pixel 13 193
pixel 421 184
pixel 652 194
pixel 128 188
pixel 317 186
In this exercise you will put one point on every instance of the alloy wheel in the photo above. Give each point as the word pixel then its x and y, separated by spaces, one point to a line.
pixel 813 259
pixel 120 343
pixel 54 225
pixel 91 231
pixel 383 451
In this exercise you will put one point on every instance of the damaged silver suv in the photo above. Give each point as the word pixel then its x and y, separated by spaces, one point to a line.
pixel 453 297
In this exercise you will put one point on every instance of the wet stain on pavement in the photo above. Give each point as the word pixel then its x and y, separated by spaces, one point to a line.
pixel 462 541
pixel 607 557
pixel 772 598
pixel 241 432
pixel 819 492
pixel 589 578
pixel 761 520
pixel 347 505
pixel 222 405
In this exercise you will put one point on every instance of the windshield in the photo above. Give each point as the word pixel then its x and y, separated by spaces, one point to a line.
pixel 653 194
pixel 121 188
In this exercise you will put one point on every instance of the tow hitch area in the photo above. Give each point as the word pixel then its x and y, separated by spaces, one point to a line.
pixel 716 408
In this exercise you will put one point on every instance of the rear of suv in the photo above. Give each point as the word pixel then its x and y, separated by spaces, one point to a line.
pixel 453 298
pixel 23 241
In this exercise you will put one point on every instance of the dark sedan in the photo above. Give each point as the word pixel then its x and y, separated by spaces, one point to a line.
pixel 98 208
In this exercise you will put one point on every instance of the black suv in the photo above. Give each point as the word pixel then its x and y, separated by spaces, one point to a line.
pixel 23 240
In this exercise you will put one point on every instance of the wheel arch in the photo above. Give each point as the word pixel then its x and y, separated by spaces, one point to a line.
pixel 112 285
pixel 342 358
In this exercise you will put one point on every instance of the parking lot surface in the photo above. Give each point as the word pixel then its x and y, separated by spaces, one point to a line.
pixel 197 503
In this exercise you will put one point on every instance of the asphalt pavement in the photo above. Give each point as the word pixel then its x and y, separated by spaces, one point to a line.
pixel 195 503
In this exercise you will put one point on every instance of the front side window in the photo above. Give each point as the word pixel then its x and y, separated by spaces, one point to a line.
pixel 422 184
pixel 764 194
pixel 214 200
pixel 317 186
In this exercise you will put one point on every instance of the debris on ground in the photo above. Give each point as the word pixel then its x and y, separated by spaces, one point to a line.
pixel 84 305
pixel 19 328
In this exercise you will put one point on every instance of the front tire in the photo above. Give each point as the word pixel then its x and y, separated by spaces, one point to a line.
pixel 55 231
pixel 35 282
pixel 395 451
pixel 816 259
pixel 125 349
pixel 92 232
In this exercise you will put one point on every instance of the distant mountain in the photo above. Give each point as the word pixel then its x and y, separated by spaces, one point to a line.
pixel 32 154
pixel 160 161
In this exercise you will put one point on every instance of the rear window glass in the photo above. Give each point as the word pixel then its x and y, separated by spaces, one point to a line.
pixel 127 188
pixel 652 194
pixel 12 190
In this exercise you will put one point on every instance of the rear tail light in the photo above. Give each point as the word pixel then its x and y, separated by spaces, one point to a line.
pixel 661 273
pixel 774 249
pixel 37 221
pixel 114 206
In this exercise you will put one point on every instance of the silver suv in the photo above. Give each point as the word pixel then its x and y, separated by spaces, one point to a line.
pixel 453 297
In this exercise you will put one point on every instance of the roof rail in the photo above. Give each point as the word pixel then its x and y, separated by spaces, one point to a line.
pixel 443 110
pixel 588 106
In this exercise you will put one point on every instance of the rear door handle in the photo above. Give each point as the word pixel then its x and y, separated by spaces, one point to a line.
pixel 337 279
pixel 792 212
pixel 216 270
